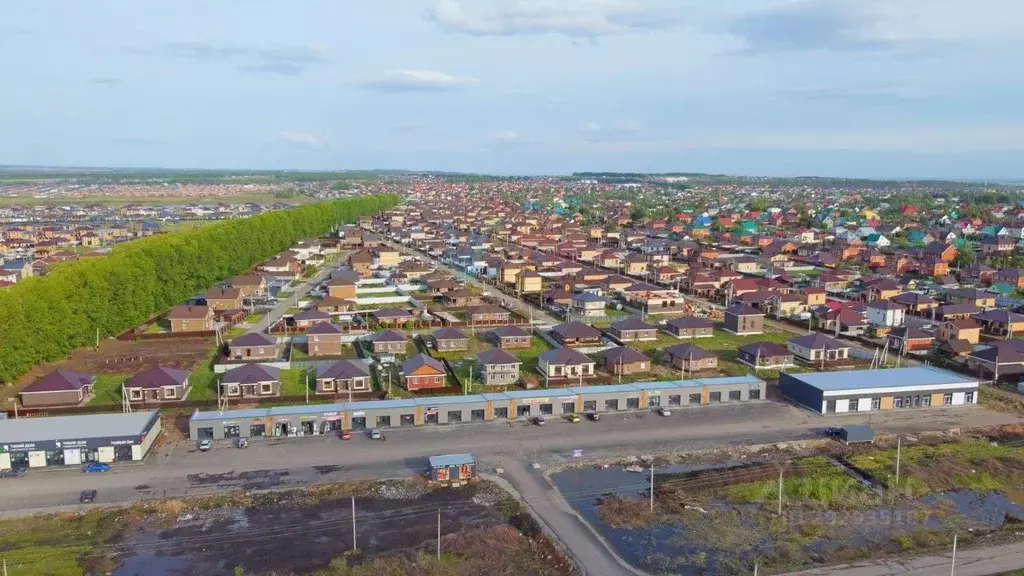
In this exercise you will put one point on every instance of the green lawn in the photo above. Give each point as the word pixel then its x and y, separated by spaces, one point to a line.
pixel 107 389
pixel 203 380
pixel 820 482
pixel 293 382
pixel 663 341
pixel 61 545
pixel 477 343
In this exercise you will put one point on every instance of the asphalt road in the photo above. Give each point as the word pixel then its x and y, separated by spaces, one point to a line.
pixel 287 302
pixel 511 302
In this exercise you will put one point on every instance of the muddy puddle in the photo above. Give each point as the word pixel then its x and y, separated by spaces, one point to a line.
pixel 299 537
pixel 728 539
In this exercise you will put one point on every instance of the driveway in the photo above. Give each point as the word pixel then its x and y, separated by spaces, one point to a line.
pixel 278 311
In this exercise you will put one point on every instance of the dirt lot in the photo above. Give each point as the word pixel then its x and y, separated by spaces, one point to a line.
pixel 296 532
pixel 120 357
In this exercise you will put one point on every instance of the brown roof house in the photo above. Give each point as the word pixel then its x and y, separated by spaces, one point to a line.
pixel 251 381
pixel 623 360
pixel 391 316
pixel 224 298
pixel 691 358
pixel 506 337
pixel 449 339
pixel 388 342
pixel 187 318
pixel 818 349
pixel 344 375
pixel 309 318
pixel 743 320
pixel 423 372
pixel 576 334
pixel 631 330
pixel 487 313
pixel 158 385
pixel 689 327
pixel 1001 323
pixel 253 346
pixel 765 355
pixel 966 329
pixel 58 388
pixel 565 363
pixel 498 367
pixel 324 339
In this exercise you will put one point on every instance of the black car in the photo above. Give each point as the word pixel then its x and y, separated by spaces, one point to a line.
pixel 87 496
pixel 594 416
pixel 833 431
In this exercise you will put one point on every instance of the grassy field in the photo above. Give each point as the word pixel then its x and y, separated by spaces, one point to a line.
pixel 107 389
pixel 819 482
pixel 61 545
pixel 294 383
pixel 203 380
pixel 974 464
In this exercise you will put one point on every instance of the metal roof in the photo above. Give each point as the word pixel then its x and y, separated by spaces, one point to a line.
pixel 447 460
pixel 13 431
pixel 886 378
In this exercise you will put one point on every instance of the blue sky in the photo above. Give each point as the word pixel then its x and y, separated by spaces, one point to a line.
pixel 874 88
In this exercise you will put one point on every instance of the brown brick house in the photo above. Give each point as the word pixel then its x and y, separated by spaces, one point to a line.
pixel 633 330
pixel 324 339
pixel 488 313
pixel 253 346
pixel 576 334
pixel 251 381
pixel 249 285
pixel 344 375
pixel 765 355
pixel 422 372
pixel 388 342
pixel 449 339
pixel 189 318
pixel 623 360
pixel 691 358
pixel 58 388
pixel 506 337
pixel 158 385
pixel 689 327
pixel 743 320
pixel 965 329
pixel 224 298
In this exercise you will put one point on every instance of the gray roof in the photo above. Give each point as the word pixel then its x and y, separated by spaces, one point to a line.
pixel 14 431
pixel 565 356
pixel 818 341
pixel 576 330
pixel 343 369
pixel 690 322
pixel 689 351
pixel 253 339
pixel 251 374
pixel 632 324
pixel 449 333
pixel 624 355
pixel 157 377
pixel 887 378
pixel 740 309
pixel 765 348
pixel 448 460
pixel 497 356
pixel 509 332
pixel 61 381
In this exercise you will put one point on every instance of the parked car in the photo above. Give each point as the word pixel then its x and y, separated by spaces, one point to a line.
pixel 594 416
pixel 12 473
pixel 663 411
pixel 574 418
pixel 346 436
pixel 833 431
pixel 242 443
pixel 540 421
pixel 375 434
pixel 96 467
pixel 87 496
pixel 205 445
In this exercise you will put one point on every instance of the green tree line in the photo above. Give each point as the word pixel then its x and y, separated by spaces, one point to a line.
pixel 44 318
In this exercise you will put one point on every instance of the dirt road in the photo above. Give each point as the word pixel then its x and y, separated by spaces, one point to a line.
pixel 977 562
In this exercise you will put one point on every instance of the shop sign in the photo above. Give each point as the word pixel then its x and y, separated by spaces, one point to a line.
pixel 71 443
pixel 359 414
pixel 19 447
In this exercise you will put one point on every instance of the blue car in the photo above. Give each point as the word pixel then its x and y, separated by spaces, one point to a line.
pixel 96 467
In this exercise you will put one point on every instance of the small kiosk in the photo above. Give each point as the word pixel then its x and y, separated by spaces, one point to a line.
pixel 452 469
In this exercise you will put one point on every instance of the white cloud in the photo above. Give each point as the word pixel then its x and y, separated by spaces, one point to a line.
pixel 505 136
pixel 578 18
pixel 419 81
pixel 306 139
pixel 591 127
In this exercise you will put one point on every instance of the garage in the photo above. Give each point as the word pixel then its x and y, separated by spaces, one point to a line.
pixel 74 440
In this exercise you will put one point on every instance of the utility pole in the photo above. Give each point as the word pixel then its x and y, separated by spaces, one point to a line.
pixel 780 490
pixel 652 488
pixel 952 562
pixel 755 568
pixel 353 523
pixel 439 534
pixel 899 444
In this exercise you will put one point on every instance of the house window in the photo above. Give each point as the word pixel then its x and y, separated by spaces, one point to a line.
pixel 135 393
pixel 926 400
pixel 328 384
pixel 947 399
pixel 854 404
pixel 898 402
pixel 735 395
pixel 876 403
pixel 969 398
pixel 170 392
pixel 715 397
pixel 754 394
pixel 266 388
pixel 695 399
pixel 233 389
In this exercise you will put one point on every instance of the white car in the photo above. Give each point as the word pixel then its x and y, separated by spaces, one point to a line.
pixel 664 411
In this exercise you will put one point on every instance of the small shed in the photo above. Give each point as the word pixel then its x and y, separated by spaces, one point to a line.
pixel 857 434
pixel 452 468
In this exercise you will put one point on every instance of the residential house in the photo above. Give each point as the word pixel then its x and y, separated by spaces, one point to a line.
pixel 946 252
pixel 631 329
pixel 576 334
pixel 818 349
pixel 966 329
pixel 765 355
pixel 251 381
pixel 388 342
pixel 814 296
pixel 565 363
pixel 909 339
pixel 386 257
pixel 189 318
pixel 915 302
pixel 1011 276
pixel 333 305
pixel 343 288
pixel 994 245
pixel 361 262
pixel 391 316
pixel 224 299
pixel 623 360
pixel 324 339
pixel 15 270
pixel 308 318
pixel 885 313
pixel 743 320
pixel 507 337
pixel 970 296
pixel 158 385
pixel 253 346
pixel 934 267
pixel 983 274
pixel 343 375
pixel 487 314
pixel 688 327
pixel 460 297
pixel 58 388
pixel 498 367
pixel 529 282
pixel 635 264
pixel 956 311
pixel 880 289
pixel 449 339
pixel 691 358
pixel 1003 360
pixel 1001 323
pixel 421 372
pixel 586 306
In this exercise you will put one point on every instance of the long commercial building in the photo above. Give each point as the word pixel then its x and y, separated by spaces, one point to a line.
pixel 327 418
pixel 73 440
pixel 888 389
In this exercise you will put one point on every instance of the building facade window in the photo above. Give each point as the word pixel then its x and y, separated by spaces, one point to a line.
pixel 876 403
pixel 947 399
pixel 969 398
